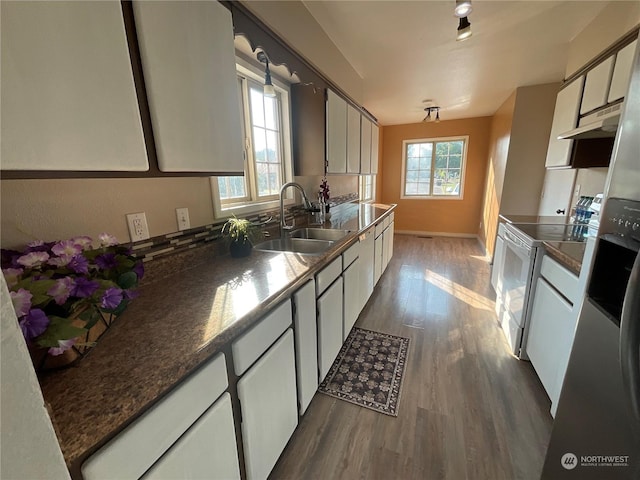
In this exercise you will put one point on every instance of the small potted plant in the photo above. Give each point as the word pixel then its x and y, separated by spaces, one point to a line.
pixel 241 233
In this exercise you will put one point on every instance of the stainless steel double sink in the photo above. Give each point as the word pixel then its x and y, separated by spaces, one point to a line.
pixel 305 241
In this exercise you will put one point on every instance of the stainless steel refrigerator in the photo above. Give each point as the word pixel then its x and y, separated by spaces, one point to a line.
pixel 596 432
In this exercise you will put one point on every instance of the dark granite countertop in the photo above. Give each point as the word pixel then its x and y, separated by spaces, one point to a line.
pixel 568 254
pixel 175 325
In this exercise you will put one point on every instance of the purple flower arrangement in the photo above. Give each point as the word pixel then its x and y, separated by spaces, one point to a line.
pixel 60 290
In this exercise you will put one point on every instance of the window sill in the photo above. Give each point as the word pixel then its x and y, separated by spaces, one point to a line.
pixel 249 208
pixel 431 197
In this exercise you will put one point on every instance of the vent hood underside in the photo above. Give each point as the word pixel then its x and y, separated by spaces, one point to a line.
pixel 602 124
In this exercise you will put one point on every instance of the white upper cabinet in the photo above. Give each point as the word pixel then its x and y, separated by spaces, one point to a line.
pixel 336 133
pixel 622 72
pixel 374 148
pixel 565 117
pixel 353 140
pixel 365 146
pixel 68 96
pixel 188 59
pixel 596 86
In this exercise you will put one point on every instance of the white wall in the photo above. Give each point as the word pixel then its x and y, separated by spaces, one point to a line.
pixel 28 443
pixel 63 208
pixel 292 21
pixel 615 20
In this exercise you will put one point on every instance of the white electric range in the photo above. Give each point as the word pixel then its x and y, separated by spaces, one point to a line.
pixel 516 265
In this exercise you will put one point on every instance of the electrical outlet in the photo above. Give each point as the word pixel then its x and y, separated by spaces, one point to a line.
pixel 138 228
pixel 182 214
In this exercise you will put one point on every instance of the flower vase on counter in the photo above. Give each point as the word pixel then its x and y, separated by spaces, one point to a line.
pixel 66 294
pixel 324 196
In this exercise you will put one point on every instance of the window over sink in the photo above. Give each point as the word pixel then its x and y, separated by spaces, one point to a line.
pixel 266 129
pixel 433 167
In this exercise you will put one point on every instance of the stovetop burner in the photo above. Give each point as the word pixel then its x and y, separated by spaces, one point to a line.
pixel 536 233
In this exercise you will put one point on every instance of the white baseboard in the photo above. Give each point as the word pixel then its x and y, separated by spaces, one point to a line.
pixel 436 234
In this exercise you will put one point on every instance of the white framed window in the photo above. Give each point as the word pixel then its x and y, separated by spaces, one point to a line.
pixel 433 168
pixel 367 187
pixel 266 129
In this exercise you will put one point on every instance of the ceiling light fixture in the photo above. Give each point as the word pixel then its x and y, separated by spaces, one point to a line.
pixel 269 90
pixel 463 8
pixel 429 110
pixel 464 29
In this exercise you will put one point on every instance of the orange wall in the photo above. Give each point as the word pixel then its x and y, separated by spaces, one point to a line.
pixel 437 216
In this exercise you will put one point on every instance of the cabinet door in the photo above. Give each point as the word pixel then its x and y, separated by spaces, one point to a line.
pixel 365 146
pixel 188 58
pixel 622 72
pixel 565 117
pixel 353 140
pixel 596 86
pixel 557 191
pixel 330 327
pixel 267 394
pixel 351 277
pixel 497 264
pixel 367 261
pixel 68 97
pixel 207 450
pixel 306 343
pixel 550 336
pixel 374 149
pixel 378 267
pixel 336 133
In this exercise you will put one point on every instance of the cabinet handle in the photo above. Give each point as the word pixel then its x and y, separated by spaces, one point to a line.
pixel 560 212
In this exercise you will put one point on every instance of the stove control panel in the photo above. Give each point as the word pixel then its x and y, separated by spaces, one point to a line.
pixel 621 217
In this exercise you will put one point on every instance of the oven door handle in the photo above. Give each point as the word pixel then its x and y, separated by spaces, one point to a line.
pixel 516 244
pixel 630 339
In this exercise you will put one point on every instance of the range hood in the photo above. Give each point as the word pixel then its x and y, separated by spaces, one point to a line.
pixel 602 124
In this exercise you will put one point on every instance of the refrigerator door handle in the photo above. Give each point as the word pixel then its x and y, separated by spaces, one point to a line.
pixel 630 339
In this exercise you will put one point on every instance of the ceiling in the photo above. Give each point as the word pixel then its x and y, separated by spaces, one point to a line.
pixel 406 52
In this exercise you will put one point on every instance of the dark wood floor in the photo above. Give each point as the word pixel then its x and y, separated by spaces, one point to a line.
pixel 468 408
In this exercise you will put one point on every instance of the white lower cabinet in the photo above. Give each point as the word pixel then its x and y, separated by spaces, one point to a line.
pixel 378 258
pixel 306 336
pixel 367 262
pixel 134 450
pixel 387 245
pixel 330 326
pixel 268 402
pixel 208 449
pixel 550 336
pixel 352 303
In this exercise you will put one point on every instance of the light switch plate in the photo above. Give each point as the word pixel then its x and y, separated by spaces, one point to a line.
pixel 138 228
pixel 182 215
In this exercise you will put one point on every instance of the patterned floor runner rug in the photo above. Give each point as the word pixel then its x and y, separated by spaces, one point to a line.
pixel 369 371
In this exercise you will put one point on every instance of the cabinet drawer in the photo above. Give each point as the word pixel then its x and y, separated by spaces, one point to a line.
pixel 327 276
pixel 380 228
pixel 561 278
pixel 256 341
pixel 350 255
pixel 137 447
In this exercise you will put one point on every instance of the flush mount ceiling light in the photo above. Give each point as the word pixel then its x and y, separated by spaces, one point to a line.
pixel 463 8
pixel 464 29
pixel 269 91
pixel 428 117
